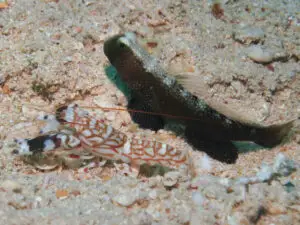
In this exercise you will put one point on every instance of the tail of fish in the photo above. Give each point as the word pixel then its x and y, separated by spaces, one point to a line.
pixel 273 135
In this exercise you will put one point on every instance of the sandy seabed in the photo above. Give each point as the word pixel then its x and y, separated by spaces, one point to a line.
pixel 246 54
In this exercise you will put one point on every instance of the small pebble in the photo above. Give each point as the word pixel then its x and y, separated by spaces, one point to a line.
pixel 265 173
pixel 72 163
pixel 75 193
pixel 289 186
pixel 276 209
pixel 214 191
pixel 283 165
pixel 105 101
pixel 154 181
pixel 61 194
pixel 198 198
pixel 206 163
pixel 18 205
pixel 171 178
pixel 153 194
pixel 37 202
pixel 257 54
pixel 294 23
pixel 238 218
pixel 226 182
pixel 13 186
pixel 295 208
pixel 248 35
pixel 124 199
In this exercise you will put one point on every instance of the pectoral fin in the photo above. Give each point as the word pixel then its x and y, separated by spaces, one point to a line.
pixel 146 121
pixel 223 151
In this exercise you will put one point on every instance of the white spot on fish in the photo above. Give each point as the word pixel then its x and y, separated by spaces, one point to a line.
pixel 49 145
pixel 63 139
pixel 23 147
pixel 87 133
pixel 127 147
pixel 51 125
pixel 73 141
pixel 173 152
pixel 163 149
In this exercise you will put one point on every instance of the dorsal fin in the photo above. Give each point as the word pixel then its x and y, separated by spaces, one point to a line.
pixel 195 85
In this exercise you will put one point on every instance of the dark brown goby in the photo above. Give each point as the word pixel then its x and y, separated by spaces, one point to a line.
pixel 155 91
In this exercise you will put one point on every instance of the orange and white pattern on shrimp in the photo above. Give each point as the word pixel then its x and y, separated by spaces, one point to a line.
pixel 105 141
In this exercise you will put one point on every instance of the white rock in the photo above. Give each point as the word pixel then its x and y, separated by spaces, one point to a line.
pixel 265 173
pixel 206 163
pixel 243 180
pixel 225 182
pixel 247 34
pixel 257 54
pixel 198 198
pixel 154 181
pixel 37 202
pixel 10 185
pixel 153 194
pixel 125 199
pixel 283 165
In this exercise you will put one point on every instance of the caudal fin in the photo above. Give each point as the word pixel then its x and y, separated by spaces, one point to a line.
pixel 273 135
